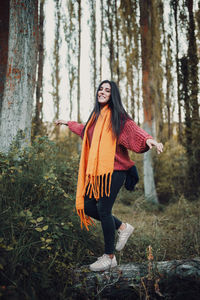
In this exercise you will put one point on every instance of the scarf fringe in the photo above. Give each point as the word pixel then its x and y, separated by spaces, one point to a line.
pixel 96 185
pixel 86 220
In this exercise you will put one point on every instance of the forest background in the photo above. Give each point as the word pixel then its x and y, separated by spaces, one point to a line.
pixel 151 50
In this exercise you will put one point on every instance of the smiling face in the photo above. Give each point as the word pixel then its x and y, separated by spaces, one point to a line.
pixel 104 93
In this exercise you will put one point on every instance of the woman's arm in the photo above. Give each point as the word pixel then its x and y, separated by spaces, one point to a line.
pixel 75 127
pixel 61 122
pixel 136 139
pixel 152 142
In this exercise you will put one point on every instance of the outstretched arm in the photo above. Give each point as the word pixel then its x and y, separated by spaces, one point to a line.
pixel 61 122
pixel 136 139
pixel 75 127
pixel 151 143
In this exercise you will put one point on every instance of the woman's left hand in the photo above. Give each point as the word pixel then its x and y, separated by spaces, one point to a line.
pixel 151 143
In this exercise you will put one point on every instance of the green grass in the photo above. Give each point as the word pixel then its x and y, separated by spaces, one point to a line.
pixel 173 231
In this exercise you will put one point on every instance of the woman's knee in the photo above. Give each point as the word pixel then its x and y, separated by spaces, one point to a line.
pixel 90 208
pixel 103 212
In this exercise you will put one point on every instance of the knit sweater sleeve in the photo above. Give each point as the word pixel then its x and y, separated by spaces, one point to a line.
pixel 75 127
pixel 134 138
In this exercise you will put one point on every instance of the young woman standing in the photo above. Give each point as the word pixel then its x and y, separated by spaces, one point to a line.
pixel 107 136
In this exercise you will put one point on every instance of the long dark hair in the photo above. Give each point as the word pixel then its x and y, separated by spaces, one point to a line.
pixel 119 114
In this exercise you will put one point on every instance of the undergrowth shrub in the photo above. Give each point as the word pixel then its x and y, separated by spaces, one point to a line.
pixel 41 241
pixel 170 172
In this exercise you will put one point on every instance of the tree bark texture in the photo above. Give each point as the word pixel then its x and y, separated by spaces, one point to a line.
pixel 101 42
pixel 117 42
pixel 71 39
pixel 79 61
pixel 16 114
pixel 4 29
pixel 39 86
pixel 148 105
pixel 56 66
pixel 193 87
pixel 93 45
pixel 175 8
pixel 177 278
pixel 110 36
pixel 169 85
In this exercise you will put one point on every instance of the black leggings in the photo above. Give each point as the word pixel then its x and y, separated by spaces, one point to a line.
pixel 102 210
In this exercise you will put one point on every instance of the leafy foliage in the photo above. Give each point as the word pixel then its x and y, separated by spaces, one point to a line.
pixel 40 237
pixel 170 172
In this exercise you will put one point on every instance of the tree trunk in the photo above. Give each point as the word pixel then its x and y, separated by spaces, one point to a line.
pixel 110 36
pixel 117 42
pixel 101 42
pixel 93 43
pixel 4 30
pixel 16 114
pixel 175 8
pixel 79 61
pixel 71 39
pixel 193 160
pixel 148 107
pixel 37 122
pixel 141 281
pixel 169 64
pixel 56 67
pixel 184 80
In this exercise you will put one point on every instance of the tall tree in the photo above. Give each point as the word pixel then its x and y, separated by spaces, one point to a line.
pixel 169 83
pixel 79 61
pixel 117 68
pixel 37 121
pixel 109 35
pixel 193 161
pixel 16 113
pixel 175 5
pixel 71 39
pixel 197 17
pixel 4 32
pixel 72 29
pixel 56 65
pixel 148 105
pixel 128 11
pixel 126 33
pixel 156 65
pixel 93 43
pixel 101 40
pixel 184 88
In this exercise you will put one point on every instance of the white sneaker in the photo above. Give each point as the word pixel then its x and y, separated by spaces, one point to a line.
pixel 123 236
pixel 103 263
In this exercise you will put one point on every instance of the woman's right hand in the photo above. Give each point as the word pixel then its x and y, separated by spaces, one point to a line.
pixel 61 122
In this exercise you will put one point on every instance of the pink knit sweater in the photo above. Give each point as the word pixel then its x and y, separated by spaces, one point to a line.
pixel 132 138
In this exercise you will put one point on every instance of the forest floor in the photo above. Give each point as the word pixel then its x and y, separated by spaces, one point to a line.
pixel 41 241
pixel 173 230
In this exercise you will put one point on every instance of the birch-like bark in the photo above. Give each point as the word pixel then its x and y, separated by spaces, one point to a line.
pixel 16 114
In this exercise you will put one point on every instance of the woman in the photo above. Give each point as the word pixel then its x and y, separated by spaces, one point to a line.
pixel 107 135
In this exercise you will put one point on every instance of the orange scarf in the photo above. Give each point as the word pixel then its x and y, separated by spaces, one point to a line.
pixel 96 162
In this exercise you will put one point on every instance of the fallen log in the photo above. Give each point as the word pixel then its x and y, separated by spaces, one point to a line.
pixel 177 279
